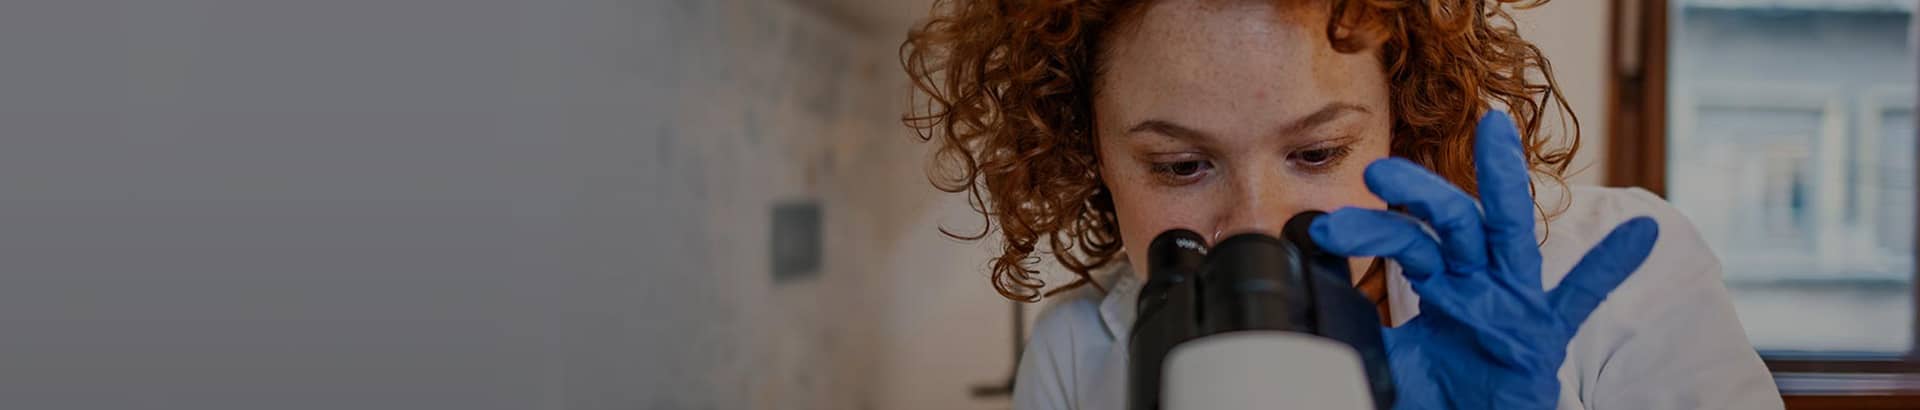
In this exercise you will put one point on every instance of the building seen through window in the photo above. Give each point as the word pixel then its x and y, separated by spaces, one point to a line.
pixel 1791 146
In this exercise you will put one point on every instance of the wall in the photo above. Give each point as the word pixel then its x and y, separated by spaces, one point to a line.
pixel 474 204
pixel 1573 35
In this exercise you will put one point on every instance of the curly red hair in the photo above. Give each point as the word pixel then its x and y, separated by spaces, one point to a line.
pixel 1008 97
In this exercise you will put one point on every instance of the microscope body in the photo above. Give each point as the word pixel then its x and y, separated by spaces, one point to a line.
pixel 1254 322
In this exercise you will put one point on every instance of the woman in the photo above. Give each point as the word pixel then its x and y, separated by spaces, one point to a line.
pixel 1082 129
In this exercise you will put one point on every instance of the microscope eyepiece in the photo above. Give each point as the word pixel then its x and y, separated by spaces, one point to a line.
pixel 1248 283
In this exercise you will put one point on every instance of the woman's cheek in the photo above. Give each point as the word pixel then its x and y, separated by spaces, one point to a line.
pixel 1348 187
pixel 1144 214
pixel 1355 194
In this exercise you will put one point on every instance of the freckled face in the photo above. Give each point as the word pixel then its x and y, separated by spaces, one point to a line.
pixel 1225 117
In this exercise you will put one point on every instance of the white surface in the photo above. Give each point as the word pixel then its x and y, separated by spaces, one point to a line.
pixel 1252 370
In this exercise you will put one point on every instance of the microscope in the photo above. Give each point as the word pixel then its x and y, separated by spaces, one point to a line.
pixel 1254 322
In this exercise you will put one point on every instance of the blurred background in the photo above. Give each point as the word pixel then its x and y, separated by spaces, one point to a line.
pixel 711 204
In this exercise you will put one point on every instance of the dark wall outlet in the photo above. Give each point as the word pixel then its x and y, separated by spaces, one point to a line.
pixel 796 241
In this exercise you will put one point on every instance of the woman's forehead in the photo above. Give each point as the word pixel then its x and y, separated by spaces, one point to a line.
pixel 1203 59
pixel 1249 14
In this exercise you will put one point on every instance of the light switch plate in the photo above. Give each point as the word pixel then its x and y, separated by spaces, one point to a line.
pixel 796 241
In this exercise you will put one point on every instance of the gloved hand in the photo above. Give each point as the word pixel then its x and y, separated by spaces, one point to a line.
pixel 1487 336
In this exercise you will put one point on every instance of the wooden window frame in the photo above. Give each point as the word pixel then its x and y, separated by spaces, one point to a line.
pixel 1637 113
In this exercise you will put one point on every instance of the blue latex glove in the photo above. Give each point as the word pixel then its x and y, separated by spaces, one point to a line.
pixel 1488 336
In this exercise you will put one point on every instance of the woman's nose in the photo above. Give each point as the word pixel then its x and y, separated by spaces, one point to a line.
pixel 1256 208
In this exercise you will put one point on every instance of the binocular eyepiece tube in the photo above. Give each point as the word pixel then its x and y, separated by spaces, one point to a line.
pixel 1248 283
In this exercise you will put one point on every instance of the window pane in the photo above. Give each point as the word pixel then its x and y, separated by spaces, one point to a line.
pixel 1792 149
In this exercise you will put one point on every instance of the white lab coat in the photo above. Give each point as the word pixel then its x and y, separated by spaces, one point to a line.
pixel 1667 338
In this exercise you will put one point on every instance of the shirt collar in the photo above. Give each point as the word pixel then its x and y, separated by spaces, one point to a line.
pixel 1117 307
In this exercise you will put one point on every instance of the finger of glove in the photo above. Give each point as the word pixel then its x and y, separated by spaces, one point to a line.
pixel 1452 214
pixel 1372 232
pixel 1603 269
pixel 1500 165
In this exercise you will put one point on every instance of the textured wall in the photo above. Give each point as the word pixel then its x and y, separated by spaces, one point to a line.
pixel 780 101
pixel 473 204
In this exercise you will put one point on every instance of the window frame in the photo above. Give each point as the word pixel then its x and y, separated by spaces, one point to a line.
pixel 1637 116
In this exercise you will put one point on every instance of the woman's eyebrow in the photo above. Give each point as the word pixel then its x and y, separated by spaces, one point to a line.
pixel 1326 114
pixel 1167 128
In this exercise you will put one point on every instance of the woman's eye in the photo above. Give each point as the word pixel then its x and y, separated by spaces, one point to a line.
pixel 1323 157
pixel 1182 169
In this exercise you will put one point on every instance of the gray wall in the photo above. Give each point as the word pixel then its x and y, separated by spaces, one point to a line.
pixel 460 204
